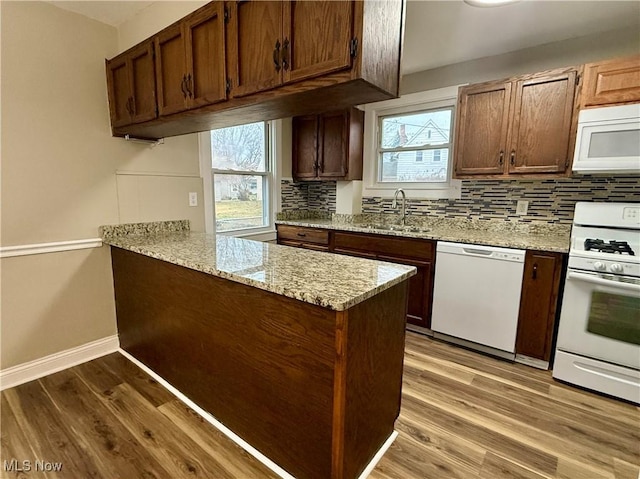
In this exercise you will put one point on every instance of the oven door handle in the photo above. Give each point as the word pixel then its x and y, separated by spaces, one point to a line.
pixel 603 282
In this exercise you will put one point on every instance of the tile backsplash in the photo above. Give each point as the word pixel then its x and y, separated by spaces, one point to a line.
pixel 550 201
pixel 308 196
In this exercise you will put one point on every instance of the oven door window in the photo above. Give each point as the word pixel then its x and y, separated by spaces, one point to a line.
pixel 615 316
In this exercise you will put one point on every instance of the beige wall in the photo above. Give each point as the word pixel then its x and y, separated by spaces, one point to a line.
pixel 575 51
pixel 59 176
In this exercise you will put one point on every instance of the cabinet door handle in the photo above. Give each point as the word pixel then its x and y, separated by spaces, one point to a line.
pixel 285 54
pixel 534 274
pixel 501 158
pixel 190 85
pixel 513 157
pixel 276 56
pixel 183 86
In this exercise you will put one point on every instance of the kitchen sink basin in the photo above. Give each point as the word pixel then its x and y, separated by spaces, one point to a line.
pixel 409 229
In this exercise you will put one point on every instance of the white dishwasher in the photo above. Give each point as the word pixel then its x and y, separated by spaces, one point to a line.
pixel 476 295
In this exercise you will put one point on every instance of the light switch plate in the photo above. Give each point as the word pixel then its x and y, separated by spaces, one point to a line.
pixel 193 198
pixel 522 207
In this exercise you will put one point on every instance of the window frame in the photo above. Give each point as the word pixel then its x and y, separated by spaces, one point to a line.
pixel 428 100
pixel 273 152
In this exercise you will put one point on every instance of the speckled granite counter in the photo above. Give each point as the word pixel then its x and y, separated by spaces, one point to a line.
pixel 333 281
pixel 533 236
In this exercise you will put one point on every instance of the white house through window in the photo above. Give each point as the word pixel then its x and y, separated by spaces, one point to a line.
pixel 412 145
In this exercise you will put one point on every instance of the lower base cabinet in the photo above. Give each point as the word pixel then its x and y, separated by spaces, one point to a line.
pixel 539 304
pixel 541 283
pixel 412 252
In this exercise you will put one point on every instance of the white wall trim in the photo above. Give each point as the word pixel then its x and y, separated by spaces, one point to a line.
pixel 237 439
pixel 155 173
pixel 210 419
pixel 23 373
pixel 39 248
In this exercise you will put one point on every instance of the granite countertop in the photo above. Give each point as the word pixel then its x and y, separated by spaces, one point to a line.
pixel 329 280
pixel 533 236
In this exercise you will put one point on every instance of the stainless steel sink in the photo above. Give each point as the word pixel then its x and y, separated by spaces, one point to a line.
pixel 409 229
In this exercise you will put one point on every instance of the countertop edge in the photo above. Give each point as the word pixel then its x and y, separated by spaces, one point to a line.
pixel 510 243
pixel 300 296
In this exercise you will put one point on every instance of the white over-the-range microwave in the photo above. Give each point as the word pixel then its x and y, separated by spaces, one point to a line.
pixel 608 140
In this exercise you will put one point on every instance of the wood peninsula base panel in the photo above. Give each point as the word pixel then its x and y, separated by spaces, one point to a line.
pixel 315 390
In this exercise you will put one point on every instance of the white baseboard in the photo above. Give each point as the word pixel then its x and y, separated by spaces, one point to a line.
pixel 23 373
pixel 237 439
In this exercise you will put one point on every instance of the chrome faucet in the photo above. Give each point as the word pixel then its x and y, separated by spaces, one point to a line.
pixel 403 208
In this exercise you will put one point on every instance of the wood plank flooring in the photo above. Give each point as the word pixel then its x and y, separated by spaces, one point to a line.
pixel 464 415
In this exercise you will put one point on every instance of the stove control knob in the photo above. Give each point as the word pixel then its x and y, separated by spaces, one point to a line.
pixel 600 266
pixel 617 268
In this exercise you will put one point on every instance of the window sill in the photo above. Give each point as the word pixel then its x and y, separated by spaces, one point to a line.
pixel 452 191
pixel 256 235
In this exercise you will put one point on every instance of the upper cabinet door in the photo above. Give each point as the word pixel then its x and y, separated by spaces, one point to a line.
pixel 205 55
pixel 333 144
pixel 143 83
pixel 481 133
pixel 255 46
pixel 611 82
pixel 317 38
pixel 171 72
pixel 119 90
pixel 541 124
pixel 132 87
pixel 305 147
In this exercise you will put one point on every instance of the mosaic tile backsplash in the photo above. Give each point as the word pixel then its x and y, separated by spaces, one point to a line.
pixel 550 201
pixel 308 196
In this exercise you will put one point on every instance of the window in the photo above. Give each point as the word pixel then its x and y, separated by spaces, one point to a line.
pixel 409 141
pixel 241 174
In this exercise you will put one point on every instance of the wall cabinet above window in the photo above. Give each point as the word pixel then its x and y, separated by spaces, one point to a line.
pixel 230 63
pixel 520 126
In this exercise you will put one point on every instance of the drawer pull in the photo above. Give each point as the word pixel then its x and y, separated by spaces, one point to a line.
pixel 302 234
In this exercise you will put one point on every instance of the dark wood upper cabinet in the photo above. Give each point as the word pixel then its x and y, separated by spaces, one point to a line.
pixel 190 64
pixel 305 147
pixel 611 82
pixel 131 86
pixel 206 58
pixel 317 38
pixel 541 126
pixel 524 125
pixel 255 46
pixel 328 146
pixel 538 304
pixel 236 62
pixel 482 120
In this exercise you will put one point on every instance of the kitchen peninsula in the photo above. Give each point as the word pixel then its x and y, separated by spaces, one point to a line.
pixel 298 352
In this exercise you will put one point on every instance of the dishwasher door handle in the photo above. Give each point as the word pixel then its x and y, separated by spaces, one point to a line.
pixel 480 252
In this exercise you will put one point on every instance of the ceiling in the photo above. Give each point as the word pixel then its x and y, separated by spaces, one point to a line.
pixel 450 31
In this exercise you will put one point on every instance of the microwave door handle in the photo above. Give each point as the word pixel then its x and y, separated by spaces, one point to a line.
pixel 588 278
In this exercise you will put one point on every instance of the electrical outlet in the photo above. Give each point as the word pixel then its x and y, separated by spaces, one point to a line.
pixel 193 198
pixel 522 207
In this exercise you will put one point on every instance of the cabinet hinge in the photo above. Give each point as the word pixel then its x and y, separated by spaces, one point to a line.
pixel 353 47
pixel 226 15
pixel 228 85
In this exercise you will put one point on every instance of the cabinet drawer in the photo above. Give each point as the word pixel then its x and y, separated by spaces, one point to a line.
pixel 384 245
pixel 303 235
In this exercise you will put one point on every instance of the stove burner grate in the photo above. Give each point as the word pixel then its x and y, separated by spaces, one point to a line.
pixel 619 247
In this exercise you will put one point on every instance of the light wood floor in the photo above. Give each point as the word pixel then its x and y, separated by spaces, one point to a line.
pixel 464 415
